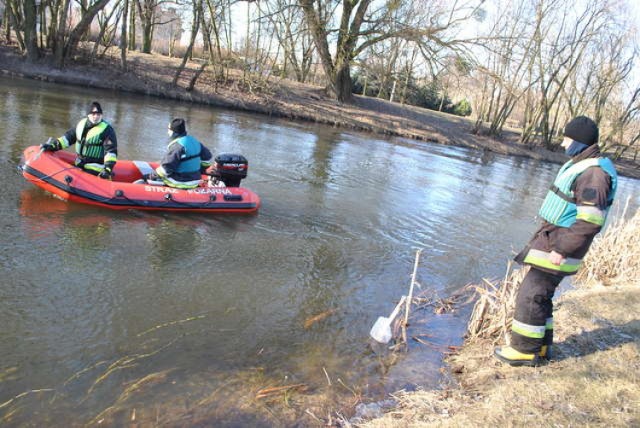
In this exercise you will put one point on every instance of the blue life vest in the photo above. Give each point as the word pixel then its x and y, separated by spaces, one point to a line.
pixel 559 206
pixel 190 159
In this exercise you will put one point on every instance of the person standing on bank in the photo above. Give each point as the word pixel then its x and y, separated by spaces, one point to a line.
pixel 95 141
pixel 185 159
pixel 573 212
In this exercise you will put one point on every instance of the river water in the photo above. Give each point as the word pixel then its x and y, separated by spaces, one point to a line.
pixel 143 318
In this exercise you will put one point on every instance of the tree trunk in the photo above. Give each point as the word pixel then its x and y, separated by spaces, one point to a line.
pixel 342 84
pixel 123 36
pixel 16 18
pixel 30 30
pixel 80 30
pixel 147 33
pixel 195 26
pixel 7 26
pixel 59 41
pixel 132 26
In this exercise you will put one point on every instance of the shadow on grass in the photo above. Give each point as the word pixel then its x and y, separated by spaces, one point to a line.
pixel 607 336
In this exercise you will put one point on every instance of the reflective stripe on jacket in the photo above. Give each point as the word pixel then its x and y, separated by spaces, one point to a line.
pixel 559 206
pixel 542 259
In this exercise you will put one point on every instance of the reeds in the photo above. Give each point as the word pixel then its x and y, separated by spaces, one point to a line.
pixel 614 256
pixel 493 310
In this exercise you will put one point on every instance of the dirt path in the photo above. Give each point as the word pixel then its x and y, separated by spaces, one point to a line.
pixel 152 75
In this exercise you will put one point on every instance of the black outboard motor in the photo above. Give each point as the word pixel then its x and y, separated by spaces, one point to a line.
pixel 230 169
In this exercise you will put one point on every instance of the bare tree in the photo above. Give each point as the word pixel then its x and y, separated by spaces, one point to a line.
pixel 508 49
pixel 148 13
pixel 425 22
pixel 107 32
pixel 67 40
pixel 293 36
pixel 195 28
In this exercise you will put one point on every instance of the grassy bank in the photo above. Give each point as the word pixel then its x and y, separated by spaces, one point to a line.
pixel 594 377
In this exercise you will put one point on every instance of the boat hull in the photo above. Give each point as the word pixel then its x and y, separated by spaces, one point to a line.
pixel 55 173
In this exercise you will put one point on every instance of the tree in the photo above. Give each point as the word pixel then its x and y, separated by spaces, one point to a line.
pixel 293 37
pixel 65 46
pixel 147 13
pixel 427 23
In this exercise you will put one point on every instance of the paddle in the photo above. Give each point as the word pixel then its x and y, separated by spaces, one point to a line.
pixel 381 330
pixel 37 156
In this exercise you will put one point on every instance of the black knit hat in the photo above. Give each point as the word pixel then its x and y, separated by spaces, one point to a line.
pixel 583 130
pixel 94 106
pixel 178 126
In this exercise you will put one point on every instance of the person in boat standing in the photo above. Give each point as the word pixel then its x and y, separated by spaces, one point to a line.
pixel 95 141
pixel 184 161
pixel 573 212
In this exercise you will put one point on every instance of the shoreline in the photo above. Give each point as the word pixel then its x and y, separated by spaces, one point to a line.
pixel 151 75
pixel 586 383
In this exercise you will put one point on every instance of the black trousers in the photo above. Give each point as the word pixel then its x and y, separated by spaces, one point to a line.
pixel 534 310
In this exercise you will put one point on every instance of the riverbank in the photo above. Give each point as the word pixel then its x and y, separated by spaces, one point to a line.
pixel 152 75
pixel 594 379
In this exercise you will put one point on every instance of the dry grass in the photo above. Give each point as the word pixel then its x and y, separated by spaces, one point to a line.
pixel 614 256
pixel 493 310
pixel 594 379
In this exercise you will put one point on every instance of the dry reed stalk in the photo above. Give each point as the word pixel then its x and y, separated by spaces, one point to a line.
pixel 327 375
pixel 170 323
pixel 148 379
pixel 614 255
pixel 23 394
pixel 492 314
pixel 83 371
pixel 126 362
pixel 7 373
pixel 265 392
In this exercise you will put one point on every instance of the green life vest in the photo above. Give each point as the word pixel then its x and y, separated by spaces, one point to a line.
pixel 89 146
pixel 559 206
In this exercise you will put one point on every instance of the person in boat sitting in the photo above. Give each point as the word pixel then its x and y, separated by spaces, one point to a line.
pixel 95 141
pixel 186 158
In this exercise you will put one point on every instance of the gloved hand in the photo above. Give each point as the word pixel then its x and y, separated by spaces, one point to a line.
pixel 50 146
pixel 106 173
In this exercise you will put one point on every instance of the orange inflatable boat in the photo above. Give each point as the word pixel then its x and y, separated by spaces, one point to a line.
pixel 56 173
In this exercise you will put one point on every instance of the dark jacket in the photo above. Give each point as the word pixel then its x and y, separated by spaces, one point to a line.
pixel 172 158
pixel 109 143
pixel 592 188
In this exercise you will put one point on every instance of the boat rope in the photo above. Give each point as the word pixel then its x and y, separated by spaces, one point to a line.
pixel 167 200
pixel 44 177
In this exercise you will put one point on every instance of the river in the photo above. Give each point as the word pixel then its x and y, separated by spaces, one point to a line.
pixel 144 318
